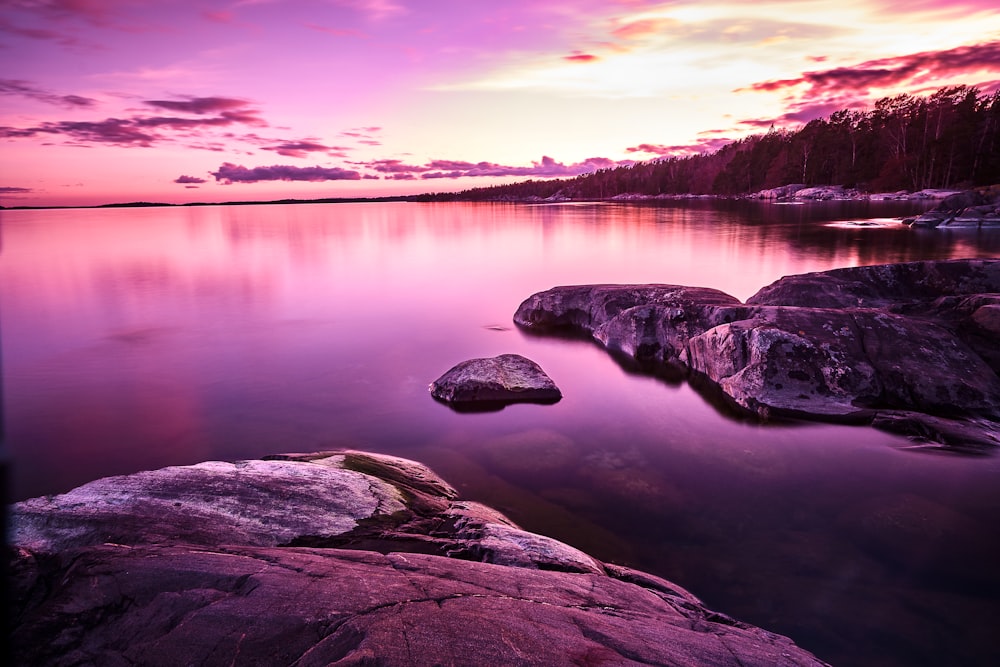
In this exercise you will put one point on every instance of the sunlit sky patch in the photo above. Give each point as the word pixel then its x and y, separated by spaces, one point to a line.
pixel 126 100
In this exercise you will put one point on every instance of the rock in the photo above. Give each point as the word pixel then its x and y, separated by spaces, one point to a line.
pixel 791 360
pixel 495 382
pixel 972 208
pixel 780 192
pixel 402 573
pixel 645 322
pixel 249 502
pixel 892 286
pixel 824 193
pixel 915 342
pixel 988 317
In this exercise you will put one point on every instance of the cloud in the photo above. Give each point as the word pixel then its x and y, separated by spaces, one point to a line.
pixel 114 131
pixel 38 34
pixel 395 166
pixel 913 69
pixel 219 16
pixel 705 145
pixel 375 10
pixel 338 32
pixel 361 132
pixel 189 179
pixel 229 173
pixel 581 58
pixel 144 131
pixel 97 12
pixel 26 89
pixel 642 28
pixel 304 148
pixel 11 190
pixel 201 105
pixel 802 111
pixel 545 168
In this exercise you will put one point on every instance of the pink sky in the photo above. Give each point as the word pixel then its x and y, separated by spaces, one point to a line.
pixel 126 100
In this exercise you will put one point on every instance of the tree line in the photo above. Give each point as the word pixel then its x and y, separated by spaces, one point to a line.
pixel 949 139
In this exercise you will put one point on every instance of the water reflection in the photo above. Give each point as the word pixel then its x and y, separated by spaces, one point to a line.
pixel 137 338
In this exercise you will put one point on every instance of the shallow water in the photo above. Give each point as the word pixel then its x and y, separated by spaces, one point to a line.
pixel 139 338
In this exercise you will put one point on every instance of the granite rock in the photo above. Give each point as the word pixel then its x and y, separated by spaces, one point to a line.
pixel 911 348
pixel 495 382
pixel 347 558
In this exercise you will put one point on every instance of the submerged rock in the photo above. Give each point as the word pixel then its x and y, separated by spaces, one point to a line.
pixel 274 566
pixel 495 382
pixel 915 343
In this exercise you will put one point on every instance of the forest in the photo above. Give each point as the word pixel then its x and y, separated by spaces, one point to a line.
pixel 948 139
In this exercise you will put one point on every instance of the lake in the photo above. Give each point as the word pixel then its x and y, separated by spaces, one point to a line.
pixel 139 338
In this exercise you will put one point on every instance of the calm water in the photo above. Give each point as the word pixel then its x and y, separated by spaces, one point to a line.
pixel 139 338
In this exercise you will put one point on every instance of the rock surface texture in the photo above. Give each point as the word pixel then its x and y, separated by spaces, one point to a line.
pixel 912 348
pixel 972 208
pixel 338 558
pixel 495 382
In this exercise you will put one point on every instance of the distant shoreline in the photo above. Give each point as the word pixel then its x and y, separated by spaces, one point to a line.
pixel 787 193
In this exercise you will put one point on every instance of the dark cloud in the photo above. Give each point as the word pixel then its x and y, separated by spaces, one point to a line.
pixel 304 148
pixel 545 168
pixel 114 131
pixel 188 123
pixel 913 69
pixel 458 168
pixel 144 131
pixel 800 112
pixel 189 179
pixel 26 89
pixel 395 167
pixel 200 105
pixel 230 173
pixel 11 190
pixel 362 133
pixel 705 145
pixel 98 12
pixel 39 33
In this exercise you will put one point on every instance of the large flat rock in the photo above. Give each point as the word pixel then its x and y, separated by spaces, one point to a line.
pixel 340 558
pixel 910 348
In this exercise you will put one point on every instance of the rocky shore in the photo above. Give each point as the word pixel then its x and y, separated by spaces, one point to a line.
pixel 336 558
pixel 909 348
pixel 971 209
pixel 955 209
pixel 794 192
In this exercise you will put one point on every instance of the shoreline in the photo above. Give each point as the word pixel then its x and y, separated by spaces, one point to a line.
pixel 787 193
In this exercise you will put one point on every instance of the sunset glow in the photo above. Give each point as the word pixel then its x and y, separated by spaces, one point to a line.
pixel 132 100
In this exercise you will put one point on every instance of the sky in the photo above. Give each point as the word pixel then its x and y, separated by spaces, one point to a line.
pixel 109 101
